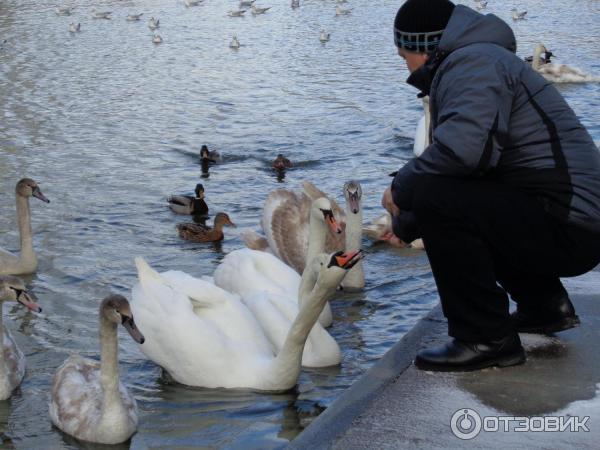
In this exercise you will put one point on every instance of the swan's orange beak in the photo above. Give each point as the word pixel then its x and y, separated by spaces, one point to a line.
pixel 349 259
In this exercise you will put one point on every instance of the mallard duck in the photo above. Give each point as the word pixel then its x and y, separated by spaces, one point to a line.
pixel 88 400
pixel 196 232
pixel 64 11
pixel 281 163
pixel 210 156
pixel 186 204
pixel 12 361
pixel 256 10
pixel 134 17
pixel 26 262
pixel 153 23
pixel 74 28
pixel 235 44
pixel 324 36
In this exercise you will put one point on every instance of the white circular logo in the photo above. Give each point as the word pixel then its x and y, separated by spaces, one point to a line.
pixel 465 424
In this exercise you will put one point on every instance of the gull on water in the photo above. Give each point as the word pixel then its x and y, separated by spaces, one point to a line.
pixel 74 28
pixel 134 17
pixel 157 39
pixel 235 44
pixel 339 11
pixel 153 23
pixel 324 36
pixel 518 15
pixel 256 10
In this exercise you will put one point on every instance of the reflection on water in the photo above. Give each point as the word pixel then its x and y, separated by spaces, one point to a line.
pixel 110 124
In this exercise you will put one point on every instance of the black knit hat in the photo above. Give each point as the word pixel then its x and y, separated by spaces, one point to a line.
pixel 419 24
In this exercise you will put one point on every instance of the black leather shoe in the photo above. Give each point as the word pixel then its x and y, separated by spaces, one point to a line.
pixel 461 356
pixel 558 314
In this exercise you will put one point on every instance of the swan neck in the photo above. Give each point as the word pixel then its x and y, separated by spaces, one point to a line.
pixel 537 53
pixel 109 364
pixel 2 361
pixel 353 229
pixel 289 360
pixel 427 121
pixel 316 238
pixel 24 220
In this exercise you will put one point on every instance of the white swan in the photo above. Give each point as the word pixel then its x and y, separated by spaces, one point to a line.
pixel 197 350
pixel 422 140
pixel 558 73
pixel 88 401
pixel 12 361
pixel 26 262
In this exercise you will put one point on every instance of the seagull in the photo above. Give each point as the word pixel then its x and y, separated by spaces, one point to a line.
pixel 74 28
pixel 101 14
pixel 481 4
pixel 257 11
pixel 518 15
pixel 246 2
pixel 189 3
pixel 235 44
pixel 295 3
pixel 157 39
pixel 342 1
pixel 339 11
pixel 134 17
pixel 153 23
pixel 324 36
pixel 63 11
pixel 238 13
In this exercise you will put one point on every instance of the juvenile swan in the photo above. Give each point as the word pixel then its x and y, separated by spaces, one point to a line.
pixel 26 262
pixel 88 400
pixel 12 361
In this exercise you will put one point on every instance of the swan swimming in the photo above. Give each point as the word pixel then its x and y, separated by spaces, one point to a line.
pixel 197 338
pixel 26 262
pixel 88 400
pixel 558 73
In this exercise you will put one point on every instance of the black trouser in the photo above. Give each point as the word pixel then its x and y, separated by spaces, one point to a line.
pixel 485 239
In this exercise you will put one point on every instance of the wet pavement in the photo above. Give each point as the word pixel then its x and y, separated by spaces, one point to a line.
pixel 397 406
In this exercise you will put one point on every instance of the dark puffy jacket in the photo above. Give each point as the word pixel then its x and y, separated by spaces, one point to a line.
pixel 494 116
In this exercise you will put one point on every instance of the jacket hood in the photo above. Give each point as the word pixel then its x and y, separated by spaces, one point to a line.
pixel 466 26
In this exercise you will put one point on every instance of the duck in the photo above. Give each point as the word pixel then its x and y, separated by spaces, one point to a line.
pixel 189 205
pixel 203 341
pixel 153 23
pixel 196 232
pixel 12 361
pixel 281 162
pixel 208 155
pixel 324 36
pixel 557 73
pixel 256 10
pixel 235 44
pixel 101 14
pixel 339 11
pixel 26 262
pixel 134 17
pixel 157 39
pixel 518 15
pixel 74 28
pixel 295 4
pixel 88 401
pixel 236 13
pixel 64 11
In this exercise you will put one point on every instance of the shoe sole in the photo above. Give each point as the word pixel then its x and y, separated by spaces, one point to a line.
pixel 505 361
pixel 565 324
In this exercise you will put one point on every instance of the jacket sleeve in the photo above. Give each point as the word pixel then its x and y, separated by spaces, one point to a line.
pixel 473 101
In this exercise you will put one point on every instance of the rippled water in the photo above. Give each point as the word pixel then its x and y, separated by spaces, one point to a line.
pixel 110 124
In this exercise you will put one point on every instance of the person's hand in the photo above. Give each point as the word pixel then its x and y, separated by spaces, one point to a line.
pixel 388 202
pixel 393 240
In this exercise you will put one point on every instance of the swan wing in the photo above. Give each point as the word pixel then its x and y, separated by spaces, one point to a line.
pixel 255 241
pixel 314 193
